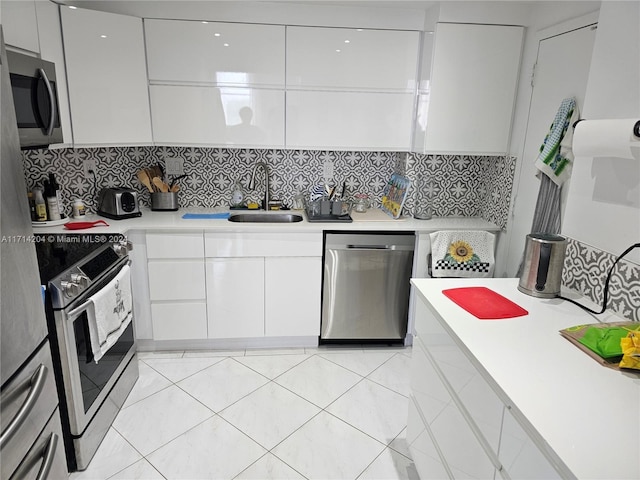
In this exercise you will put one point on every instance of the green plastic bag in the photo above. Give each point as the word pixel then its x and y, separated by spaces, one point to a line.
pixel 604 341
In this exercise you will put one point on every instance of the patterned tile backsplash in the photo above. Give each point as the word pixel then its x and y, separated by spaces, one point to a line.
pixel 585 271
pixel 458 185
pixel 455 186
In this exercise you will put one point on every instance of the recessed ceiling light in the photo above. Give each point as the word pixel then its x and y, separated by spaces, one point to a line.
pixel 216 34
pixel 226 44
pixel 103 36
pixel 347 41
pixel 72 7
pixel 359 30
pixel 338 50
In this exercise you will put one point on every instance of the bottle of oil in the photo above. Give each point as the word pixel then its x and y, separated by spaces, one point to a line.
pixel 41 206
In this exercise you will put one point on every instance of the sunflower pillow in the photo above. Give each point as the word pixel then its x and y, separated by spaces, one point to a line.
pixel 462 254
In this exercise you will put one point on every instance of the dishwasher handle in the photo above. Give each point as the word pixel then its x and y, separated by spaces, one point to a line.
pixel 398 248
pixel 371 247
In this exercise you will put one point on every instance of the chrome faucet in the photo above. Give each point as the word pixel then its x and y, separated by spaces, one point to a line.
pixel 252 182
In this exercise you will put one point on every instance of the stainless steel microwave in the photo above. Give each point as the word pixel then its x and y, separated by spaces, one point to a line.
pixel 33 82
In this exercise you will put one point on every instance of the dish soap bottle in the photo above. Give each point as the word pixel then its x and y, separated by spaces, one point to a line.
pixel 237 196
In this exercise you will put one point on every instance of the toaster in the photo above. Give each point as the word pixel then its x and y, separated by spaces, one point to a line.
pixel 118 203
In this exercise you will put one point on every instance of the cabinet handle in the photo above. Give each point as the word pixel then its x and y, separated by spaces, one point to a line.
pixel 35 384
pixel 52 101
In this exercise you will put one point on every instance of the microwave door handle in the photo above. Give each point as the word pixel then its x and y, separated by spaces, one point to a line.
pixel 52 101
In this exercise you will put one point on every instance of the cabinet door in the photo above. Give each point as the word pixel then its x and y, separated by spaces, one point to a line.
pixel 107 77
pixel 176 280
pixel 20 24
pixel 292 296
pixel 215 53
pixel 474 81
pixel 179 321
pixel 235 297
pixel 210 115
pixel 349 120
pixel 348 58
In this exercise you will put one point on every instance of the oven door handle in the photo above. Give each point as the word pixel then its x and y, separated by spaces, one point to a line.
pixel 74 313
pixel 35 383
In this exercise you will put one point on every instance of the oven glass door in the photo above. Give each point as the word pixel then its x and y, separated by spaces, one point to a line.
pixel 87 382
pixel 94 377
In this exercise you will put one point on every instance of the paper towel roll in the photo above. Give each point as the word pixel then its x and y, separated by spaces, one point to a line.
pixel 606 138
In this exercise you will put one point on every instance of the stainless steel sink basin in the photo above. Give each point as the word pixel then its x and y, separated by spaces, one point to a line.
pixel 265 218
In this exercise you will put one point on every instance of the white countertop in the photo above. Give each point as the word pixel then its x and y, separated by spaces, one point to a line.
pixel 587 413
pixel 171 221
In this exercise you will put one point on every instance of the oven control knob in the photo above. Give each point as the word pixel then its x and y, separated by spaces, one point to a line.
pixel 80 279
pixel 70 289
pixel 123 247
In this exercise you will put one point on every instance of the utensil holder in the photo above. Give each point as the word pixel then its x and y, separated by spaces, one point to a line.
pixel 161 201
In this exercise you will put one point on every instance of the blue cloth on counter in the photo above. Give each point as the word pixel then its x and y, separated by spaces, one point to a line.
pixel 206 216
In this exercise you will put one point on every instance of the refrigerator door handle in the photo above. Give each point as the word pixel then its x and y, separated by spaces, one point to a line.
pixel 35 384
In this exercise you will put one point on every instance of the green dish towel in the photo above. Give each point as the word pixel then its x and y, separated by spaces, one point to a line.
pixel 555 155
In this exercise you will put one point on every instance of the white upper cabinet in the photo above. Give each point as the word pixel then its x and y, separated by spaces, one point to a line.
pixel 214 53
pixel 106 73
pixel 474 77
pixel 349 120
pixel 20 24
pixel 349 58
pixel 217 115
pixel 218 84
pixel 350 89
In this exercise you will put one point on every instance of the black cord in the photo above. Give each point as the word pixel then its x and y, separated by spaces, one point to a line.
pixel 606 284
pixel 95 189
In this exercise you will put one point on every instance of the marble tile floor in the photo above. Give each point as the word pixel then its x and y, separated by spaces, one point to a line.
pixel 314 413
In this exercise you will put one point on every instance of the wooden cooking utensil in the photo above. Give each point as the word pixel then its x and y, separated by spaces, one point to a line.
pixel 144 180
pixel 175 188
pixel 163 187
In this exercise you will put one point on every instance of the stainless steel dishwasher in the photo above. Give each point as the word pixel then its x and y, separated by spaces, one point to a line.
pixel 365 294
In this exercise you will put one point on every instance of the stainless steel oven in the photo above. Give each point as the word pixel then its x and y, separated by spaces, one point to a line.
pixel 92 385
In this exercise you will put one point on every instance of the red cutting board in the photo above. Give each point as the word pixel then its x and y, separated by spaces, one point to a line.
pixel 484 303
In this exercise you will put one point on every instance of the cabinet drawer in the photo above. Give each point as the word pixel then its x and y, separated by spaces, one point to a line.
pixel 476 394
pixel 179 321
pixel 520 456
pixel 175 245
pixel 423 451
pixel 177 280
pixel 263 245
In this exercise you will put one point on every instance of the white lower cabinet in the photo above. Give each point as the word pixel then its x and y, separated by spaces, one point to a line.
pixel 292 296
pixel 472 428
pixel 176 276
pixel 235 297
pixel 459 444
pixel 521 457
pixel 423 451
pixel 179 320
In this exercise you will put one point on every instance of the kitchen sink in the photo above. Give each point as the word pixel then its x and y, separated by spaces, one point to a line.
pixel 265 218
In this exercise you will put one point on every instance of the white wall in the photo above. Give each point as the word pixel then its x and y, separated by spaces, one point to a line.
pixel 603 204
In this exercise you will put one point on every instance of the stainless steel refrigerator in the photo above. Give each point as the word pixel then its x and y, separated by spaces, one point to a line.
pixel 31 443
